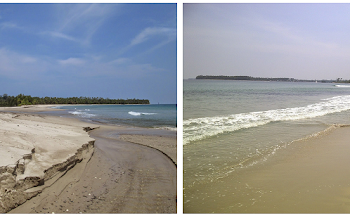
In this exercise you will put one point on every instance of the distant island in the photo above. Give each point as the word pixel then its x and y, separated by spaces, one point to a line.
pixel 282 79
pixel 19 100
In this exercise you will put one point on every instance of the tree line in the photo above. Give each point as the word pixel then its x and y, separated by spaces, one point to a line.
pixel 19 100
pixel 283 79
pixel 243 78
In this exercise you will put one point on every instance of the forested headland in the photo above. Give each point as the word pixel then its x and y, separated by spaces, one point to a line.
pixel 19 100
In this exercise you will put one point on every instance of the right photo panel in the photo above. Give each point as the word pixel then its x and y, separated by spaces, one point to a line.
pixel 266 108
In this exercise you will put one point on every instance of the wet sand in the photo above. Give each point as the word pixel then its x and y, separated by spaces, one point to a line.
pixel 32 108
pixel 116 177
pixel 165 144
pixel 308 176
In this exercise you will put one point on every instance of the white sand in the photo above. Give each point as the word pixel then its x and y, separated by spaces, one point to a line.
pixel 34 148
pixel 54 139
pixel 112 176
pixel 120 177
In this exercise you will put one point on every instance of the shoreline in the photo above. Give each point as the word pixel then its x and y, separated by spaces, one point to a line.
pixel 79 175
pixel 50 108
pixel 310 175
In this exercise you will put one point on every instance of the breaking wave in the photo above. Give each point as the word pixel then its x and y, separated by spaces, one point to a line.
pixel 81 113
pixel 139 113
pixel 200 128
pixel 343 86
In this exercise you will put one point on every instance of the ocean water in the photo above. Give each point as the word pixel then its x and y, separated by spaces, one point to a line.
pixel 162 116
pixel 231 126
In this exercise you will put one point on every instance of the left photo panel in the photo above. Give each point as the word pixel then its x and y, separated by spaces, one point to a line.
pixel 88 108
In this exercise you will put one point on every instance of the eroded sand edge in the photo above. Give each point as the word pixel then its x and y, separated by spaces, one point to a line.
pixel 35 151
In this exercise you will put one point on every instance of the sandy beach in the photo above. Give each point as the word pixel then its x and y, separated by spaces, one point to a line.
pixel 311 175
pixel 51 164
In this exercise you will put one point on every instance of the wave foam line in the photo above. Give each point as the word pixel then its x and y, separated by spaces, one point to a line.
pixel 343 86
pixel 139 113
pixel 82 114
pixel 200 128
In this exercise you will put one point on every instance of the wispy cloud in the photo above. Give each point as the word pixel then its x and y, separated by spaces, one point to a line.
pixel 9 25
pixel 59 49
pixel 292 40
pixel 16 65
pixel 167 35
pixel 71 16
pixel 72 61
pixel 20 66
pixel 149 32
pixel 79 22
pixel 120 61
pixel 265 40
pixel 60 35
pixel 28 60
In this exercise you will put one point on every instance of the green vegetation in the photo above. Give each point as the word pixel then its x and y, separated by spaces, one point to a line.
pixel 19 100
pixel 340 80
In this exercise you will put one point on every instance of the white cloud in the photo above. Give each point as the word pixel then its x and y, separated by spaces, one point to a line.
pixel 9 58
pixel 28 59
pixel 120 61
pixel 72 61
pixel 16 65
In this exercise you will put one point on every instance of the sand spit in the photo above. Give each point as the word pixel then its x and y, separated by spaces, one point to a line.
pixel 35 151
pixel 32 108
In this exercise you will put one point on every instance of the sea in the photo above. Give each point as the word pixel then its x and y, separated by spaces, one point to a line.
pixel 232 126
pixel 158 116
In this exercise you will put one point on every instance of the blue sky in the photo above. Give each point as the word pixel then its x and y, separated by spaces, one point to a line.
pixel 304 41
pixel 96 50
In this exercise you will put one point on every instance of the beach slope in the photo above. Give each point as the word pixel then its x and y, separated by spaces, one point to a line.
pixel 120 177
pixel 310 175
pixel 118 173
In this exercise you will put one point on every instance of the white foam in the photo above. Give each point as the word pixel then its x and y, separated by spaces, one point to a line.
pixel 75 112
pixel 82 114
pixel 134 113
pixel 200 128
pixel 343 86
pixel 139 113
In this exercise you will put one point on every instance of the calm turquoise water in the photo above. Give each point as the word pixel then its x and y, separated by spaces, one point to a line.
pixel 232 125
pixel 150 116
